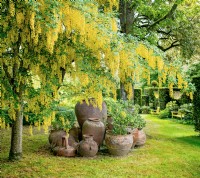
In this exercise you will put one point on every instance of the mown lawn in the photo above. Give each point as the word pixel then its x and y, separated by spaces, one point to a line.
pixel 172 150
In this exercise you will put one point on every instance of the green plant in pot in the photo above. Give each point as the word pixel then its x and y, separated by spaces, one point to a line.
pixel 136 125
pixel 118 140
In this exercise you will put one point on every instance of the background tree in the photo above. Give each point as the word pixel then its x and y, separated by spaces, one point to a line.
pixel 165 24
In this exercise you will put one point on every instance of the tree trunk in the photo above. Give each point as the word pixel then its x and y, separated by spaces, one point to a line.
pixel 126 16
pixel 123 92
pixel 126 22
pixel 16 137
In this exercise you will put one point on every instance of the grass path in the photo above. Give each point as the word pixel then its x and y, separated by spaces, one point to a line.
pixel 171 150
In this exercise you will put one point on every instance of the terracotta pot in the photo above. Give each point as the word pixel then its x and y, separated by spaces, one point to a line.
pixel 55 137
pixel 84 111
pixel 119 145
pixel 96 128
pixel 134 132
pixel 88 147
pixel 65 150
pixel 74 136
pixel 141 138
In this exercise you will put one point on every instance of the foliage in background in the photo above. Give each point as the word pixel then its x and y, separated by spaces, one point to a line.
pixel 196 104
pixel 164 114
pixel 145 109
pixel 172 26
pixel 138 96
pixel 64 119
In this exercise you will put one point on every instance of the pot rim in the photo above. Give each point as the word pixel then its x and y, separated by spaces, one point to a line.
pixel 94 119
pixel 109 132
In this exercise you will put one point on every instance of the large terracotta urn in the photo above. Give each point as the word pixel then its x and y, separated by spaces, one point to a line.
pixel 141 138
pixel 84 111
pixel 95 127
pixel 87 147
pixel 118 145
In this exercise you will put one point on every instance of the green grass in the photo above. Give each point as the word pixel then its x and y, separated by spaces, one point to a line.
pixel 172 150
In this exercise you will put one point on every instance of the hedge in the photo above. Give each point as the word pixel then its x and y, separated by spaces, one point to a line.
pixel 196 104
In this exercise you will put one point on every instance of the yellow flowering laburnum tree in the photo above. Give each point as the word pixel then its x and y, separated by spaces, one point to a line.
pixel 28 33
pixel 43 40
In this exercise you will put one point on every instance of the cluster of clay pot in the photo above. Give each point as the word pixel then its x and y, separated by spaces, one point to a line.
pixel 92 131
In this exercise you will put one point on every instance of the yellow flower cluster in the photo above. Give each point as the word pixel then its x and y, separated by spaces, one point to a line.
pixel 46 124
pixel 160 64
pixel 171 93
pixel 180 81
pixel 2 123
pixel 20 19
pixel 129 90
pixel 12 8
pixel 191 95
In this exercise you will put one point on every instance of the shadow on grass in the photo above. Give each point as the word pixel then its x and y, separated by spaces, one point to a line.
pixel 191 140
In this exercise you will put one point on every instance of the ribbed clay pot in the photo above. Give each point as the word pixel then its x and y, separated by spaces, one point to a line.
pixel 84 111
pixel 55 137
pixel 94 126
pixel 141 138
pixel 118 145
pixel 88 147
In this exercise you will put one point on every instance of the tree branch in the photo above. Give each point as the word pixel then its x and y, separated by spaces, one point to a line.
pixel 168 15
pixel 169 47
pixel 164 32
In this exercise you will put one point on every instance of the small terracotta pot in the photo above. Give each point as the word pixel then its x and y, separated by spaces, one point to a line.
pixel 141 138
pixel 65 150
pixel 88 147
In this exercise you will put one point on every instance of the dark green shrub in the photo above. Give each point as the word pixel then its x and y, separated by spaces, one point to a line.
pixel 145 109
pixel 187 108
pixel 196 104
pixel 188 118
pixel 138 96
pixel 164 114
pixel 137 108
pixel 172 106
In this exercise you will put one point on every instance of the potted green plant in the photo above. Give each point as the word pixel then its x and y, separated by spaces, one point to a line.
pixel 118 140
pixel 136 125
